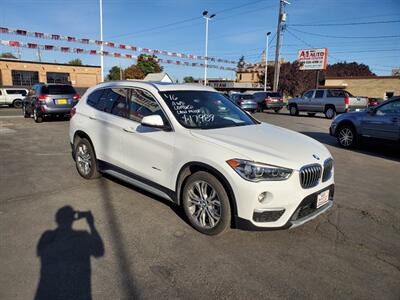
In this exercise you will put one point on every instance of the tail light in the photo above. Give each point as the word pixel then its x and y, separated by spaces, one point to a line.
pixel 73 111
pixel 268 99
pixel 76 97
pixel 42 97
pixel 281 99
pixel 346 101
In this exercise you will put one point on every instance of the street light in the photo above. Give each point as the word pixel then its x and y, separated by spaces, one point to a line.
pixel 266 62
pixel 207 18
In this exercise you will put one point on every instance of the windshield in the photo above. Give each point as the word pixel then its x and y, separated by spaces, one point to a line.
pixel 205 110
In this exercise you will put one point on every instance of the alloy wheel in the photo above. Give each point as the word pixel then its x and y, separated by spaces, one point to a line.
pixel 346 137
pixel 203 204
pixel 330 113
pixel 84 159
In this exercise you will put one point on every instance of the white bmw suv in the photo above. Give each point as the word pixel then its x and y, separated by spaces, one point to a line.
pixel 193 146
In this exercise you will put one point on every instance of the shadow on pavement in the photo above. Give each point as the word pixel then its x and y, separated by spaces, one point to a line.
pixel 65 253
pixel 375 148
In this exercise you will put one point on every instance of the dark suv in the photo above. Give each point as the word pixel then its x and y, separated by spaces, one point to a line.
pixel 269 100
pixel 46 100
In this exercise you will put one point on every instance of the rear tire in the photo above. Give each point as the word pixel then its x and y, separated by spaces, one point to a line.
pixel 85 159
pixel 206 204
pixel 347 136
pixel 330 112
pixel 36 116
pixel 17 103
pixel 294 111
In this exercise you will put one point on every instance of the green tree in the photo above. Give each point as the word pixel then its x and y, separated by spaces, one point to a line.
pixel 75 62
pixel 133 72
pixel 7 55
pixel 114 73
pixel 148 64
pixel 188 79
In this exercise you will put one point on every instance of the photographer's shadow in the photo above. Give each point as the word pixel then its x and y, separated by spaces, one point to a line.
pixel 65 257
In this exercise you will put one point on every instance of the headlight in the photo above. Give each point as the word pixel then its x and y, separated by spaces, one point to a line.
pixel 253 171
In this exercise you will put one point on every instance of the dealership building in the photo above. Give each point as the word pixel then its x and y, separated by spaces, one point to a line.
pixel 27 73
pixel 381 87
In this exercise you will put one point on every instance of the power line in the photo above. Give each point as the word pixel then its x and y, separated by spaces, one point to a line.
pixel 346 37
pixel 182 21
pixel 345 24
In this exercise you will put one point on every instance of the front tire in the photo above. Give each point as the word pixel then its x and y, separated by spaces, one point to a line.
pixel 346 136
pixel 85 159
pixel 206 204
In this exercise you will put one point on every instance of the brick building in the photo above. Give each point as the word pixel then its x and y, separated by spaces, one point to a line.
pixel 27 73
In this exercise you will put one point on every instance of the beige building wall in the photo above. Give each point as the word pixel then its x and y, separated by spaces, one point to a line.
pixel 247 77
pixel 79 76
pixel 374 87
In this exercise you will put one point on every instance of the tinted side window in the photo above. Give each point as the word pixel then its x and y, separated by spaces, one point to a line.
pixel 319 94
pixel 308 94
pixel 93 98
pixel 0 93
pixel 142 104
pixel 113 101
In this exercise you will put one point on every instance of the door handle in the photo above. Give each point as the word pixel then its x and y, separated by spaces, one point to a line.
pixel 128 129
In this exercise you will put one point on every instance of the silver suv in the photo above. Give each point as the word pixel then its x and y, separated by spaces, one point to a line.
pixel 327 101
pixel 46 100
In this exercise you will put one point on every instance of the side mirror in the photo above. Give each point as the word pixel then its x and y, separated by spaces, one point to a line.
pixel 153 121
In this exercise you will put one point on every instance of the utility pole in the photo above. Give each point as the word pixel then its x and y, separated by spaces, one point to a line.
pixel 39 55
pixel 101 38
pixel 120 72
pixel 281 19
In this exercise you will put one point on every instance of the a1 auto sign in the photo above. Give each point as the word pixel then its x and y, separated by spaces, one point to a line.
pixel 313 59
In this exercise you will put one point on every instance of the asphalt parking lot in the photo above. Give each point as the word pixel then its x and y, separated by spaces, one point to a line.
pixel 149 251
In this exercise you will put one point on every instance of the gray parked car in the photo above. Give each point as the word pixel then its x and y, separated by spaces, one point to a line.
pixel 327 101
pixel 381 122
pixel 245 101
pixel 49 100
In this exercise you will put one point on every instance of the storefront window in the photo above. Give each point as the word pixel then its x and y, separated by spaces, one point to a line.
pixel 24 78
pixel 57 77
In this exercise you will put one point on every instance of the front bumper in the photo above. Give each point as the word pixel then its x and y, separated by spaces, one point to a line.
pixel 286 204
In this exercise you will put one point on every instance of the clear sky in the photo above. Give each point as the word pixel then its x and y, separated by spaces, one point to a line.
pixel 238 29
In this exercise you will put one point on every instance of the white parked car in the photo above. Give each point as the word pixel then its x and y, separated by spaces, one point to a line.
pixel 191 145
pixel 12 96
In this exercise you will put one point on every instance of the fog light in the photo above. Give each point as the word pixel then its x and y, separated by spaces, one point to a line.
pixel 262 197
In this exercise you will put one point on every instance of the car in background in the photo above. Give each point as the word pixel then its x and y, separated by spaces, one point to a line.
pixel 245 101
pixel 380 122
pixel 327 101
pixel 373 102
pixel 12 97
pixel 51 99
pixel 269 101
